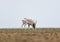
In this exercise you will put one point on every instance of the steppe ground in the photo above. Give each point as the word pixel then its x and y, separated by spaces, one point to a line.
pixel 30 35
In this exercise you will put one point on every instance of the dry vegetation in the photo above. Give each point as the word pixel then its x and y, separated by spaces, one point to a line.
pixel 30 35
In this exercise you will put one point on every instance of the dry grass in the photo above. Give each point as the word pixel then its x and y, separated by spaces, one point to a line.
pixel 30 35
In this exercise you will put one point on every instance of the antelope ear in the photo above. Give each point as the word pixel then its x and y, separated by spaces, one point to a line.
pixel 25 18
pixel 21 20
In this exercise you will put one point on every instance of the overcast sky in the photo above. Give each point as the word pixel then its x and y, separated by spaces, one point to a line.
pixel 46 12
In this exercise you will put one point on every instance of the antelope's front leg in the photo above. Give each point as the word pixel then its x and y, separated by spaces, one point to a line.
pixel 24 25
pixel 28 25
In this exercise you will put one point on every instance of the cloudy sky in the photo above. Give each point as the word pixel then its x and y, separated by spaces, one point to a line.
pixel 46 12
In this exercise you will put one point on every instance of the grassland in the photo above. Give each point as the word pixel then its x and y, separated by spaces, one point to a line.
pixel 30 35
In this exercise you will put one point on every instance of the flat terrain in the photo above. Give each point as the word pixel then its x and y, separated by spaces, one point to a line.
pixel 30 35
